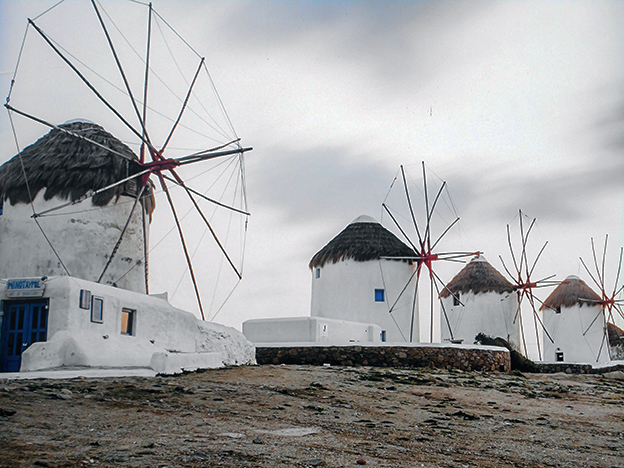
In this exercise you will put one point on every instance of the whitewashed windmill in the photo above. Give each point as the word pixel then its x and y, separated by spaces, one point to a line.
pixel 581 321
pixel 86 177
pixel 479 299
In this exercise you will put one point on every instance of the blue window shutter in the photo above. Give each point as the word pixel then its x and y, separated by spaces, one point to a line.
pixel 379 295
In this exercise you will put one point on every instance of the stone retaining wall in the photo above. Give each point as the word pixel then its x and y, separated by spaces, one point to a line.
pixel 445 357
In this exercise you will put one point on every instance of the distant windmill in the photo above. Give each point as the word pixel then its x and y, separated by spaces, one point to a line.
pixel 608 297
pixel 524 283
pixel 422 240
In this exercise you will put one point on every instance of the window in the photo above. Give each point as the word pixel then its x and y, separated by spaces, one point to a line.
pixel 456 300
pixel 558 310
pixel 127 321
pixel 1 204
pixel 383 335
pixel 97 310
pixel 380 295
pixel 559 355
pixel 318 272
pixel 85 299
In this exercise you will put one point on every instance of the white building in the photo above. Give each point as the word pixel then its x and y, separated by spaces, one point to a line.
pixel 72 287
pixel 354 279
pixel 575 320
pixel 479 299
pixel 354 288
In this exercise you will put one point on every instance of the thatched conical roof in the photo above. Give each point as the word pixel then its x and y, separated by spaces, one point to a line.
pixel 68 167
pixel 478 277
pixel 362 240
pixel 571 291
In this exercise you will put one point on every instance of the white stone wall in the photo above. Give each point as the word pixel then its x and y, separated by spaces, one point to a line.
pixel 309 330
pixel 575 335
pixel 490 313
pixel 83 236
pixel 346 291
pixel 159 329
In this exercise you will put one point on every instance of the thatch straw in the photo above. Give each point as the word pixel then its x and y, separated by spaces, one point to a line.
pixel 571 291
pixel 68 167
pixel 361 241
pixel 616 335
pixel 478 277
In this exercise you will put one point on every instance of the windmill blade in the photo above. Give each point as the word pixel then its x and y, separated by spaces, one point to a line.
pixel 427 228
pixel 399 227
pixel 601 284
pixel 445 288
pixel 513 257
pixel 121 71
pixel 414 303
pixel 604 255
pixel 201 213
pixel 145 250
pixel 184 104
pixel 448 323
pixel 535 319
pixel 121 236
pixel 433 205
pixel 589 272
pixel 211 200
pixel 181 234
pixel 145 83
pixel 505 267
pixel 537 258
pixel 593 321
pixel 525 239
pixel 617 276
pixel 444 233
pixel 411 208
pixel 536 315
pixel 604 337
pixel 90 86
pixel 416 273
pixel 90 194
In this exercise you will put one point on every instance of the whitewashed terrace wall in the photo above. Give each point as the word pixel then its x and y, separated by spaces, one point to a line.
pixel 74 340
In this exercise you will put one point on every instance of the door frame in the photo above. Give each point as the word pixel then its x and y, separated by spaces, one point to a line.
pixel 29 333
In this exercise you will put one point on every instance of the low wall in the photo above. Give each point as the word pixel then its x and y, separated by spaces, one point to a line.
pixel 478 358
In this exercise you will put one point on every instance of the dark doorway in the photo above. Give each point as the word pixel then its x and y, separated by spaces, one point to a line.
pixel 23 323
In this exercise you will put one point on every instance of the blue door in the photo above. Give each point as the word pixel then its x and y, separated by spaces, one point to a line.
pixel 23 323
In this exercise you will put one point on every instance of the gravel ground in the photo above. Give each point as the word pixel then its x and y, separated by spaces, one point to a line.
pixel 283 416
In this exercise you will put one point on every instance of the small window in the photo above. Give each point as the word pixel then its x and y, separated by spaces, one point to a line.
pixel 558 310
pixel 318 272
pixel 1 205
pixel 559 356
pixel 85 299
pixel 456 300
pixel 127 321
pixel 97 310
pixel 383 336
pixel 380 295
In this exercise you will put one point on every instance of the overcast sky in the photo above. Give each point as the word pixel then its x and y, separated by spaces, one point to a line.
pixel 517 105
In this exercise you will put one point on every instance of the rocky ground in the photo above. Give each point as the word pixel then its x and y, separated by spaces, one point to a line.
pixel 284 416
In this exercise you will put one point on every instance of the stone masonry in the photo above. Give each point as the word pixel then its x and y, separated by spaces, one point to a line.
pixel 444 357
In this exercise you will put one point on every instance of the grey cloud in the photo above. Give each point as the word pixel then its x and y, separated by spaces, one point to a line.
pixel 322 182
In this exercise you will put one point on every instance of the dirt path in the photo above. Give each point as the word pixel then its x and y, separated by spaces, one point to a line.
pixel 283 416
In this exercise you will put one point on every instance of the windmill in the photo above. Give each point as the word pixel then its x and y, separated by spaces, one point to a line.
pixel 610 300
pixel 125 81
pixel 524 282
pixel 417 228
